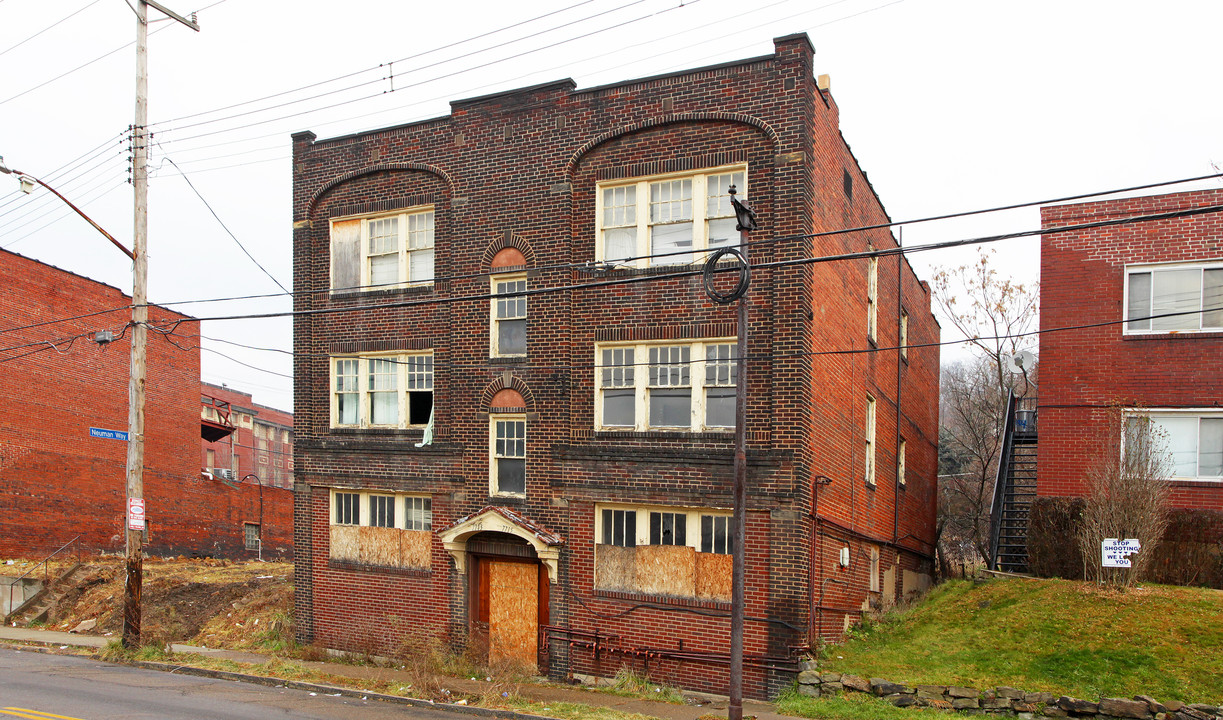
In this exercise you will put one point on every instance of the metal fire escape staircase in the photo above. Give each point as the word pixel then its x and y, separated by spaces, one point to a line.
pixel 1015 488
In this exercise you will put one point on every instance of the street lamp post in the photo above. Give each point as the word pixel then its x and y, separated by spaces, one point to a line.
pixel 746 218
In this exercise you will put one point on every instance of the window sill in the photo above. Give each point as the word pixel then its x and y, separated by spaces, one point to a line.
pixel 366 294
pixel 334 564
pixel 507 359
pixel 1173 335
pixel 416 432
pixel 728 434
pixel 662 600
pixel 1196 482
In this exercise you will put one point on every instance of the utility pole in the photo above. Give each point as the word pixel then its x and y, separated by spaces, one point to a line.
pixel 746 222
pixel 136 522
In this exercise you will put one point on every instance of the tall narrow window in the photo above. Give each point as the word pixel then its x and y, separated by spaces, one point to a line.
pixel 872 300
pixel 719 213
pixel 670 386
pixel 509 456
pixel 874 569
pixel 383 252
pixel 420 247
pixel 619 527
pixel 383 392
pixel 715 534
pixel 904 335
pixel 347 392
pixel 720 375
pixel 509 331
pixel 347 508
pixel 620 223
pixel 671 221
pixel 900 463
pixel 870 440
pixel 618 384
pixel 419 372
pixel 382 511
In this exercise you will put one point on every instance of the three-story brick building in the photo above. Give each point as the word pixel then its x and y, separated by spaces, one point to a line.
pixel 515 402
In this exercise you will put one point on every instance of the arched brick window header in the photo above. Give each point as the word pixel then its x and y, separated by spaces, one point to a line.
pixel 508 251
pixel 508 393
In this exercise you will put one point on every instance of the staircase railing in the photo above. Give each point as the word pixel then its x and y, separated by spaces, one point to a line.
pixel 1002 480
pixel 45 563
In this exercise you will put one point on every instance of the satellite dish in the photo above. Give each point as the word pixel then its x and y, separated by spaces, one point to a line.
pixel 1020 362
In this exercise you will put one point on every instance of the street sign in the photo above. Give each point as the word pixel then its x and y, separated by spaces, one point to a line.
pixel 108 434
pixel 135 514
pixel 1116 553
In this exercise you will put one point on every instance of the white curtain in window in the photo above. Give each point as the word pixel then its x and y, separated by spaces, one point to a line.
pixel 1176 291
pixel 1179 436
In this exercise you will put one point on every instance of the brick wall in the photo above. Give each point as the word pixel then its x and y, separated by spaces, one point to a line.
pixel 258 441
pixel 519 170
pixel 1085 371
pixel 57 482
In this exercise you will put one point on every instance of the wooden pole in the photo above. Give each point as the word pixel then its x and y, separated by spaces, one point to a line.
pixel 140 315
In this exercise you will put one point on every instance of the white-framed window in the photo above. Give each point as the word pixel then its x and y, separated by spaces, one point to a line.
pixel 703 529
pixel 508 335
pixel 904 334
pixel 872 299
pixel 389 250
pixel 900 463
pixel 1193 440
pixel 870 440
pixel 347 508
pixel 381 528
pixel 667 219
pixel 508 455
pixel 688 386
pixel 381 510
pixel 250 535
pixel 418 513
pixel 1191 294
pixel 694 544
pixel 382 390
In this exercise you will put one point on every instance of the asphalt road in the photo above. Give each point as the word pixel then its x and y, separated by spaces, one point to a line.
pixel 57 687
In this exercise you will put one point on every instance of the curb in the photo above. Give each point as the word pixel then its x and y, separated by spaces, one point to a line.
pixel 295 685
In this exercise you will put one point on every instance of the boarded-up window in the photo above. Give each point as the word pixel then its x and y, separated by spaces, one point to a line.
pixel 345 254
pixel 670 564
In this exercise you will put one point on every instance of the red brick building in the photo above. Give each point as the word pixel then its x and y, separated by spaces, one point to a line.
pixel 515 401
pixel 64 416
pixel 260 444
pixel 1154 291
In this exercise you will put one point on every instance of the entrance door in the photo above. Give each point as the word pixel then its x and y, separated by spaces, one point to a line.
pixel 509 605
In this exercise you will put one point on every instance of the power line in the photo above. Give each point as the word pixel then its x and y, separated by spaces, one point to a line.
pixel 97 59
pixel 57 22
pixel 226 227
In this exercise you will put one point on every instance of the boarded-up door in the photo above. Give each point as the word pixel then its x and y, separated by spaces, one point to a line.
pixel 513 612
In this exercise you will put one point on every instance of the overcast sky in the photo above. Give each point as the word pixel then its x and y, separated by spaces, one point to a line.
pixel 948 105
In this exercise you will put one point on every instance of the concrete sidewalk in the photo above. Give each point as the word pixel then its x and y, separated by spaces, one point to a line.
pixel 697 706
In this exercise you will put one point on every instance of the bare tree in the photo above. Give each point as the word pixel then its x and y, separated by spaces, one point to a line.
pixel 995 313
pixel 972 409
pixel 1127 495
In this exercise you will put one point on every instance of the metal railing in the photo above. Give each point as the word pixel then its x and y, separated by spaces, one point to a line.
pixel 1001 481
pixel 46 570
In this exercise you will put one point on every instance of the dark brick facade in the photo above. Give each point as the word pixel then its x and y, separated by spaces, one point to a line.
pixel 1085 372
pixel 58 482
pixel 519 170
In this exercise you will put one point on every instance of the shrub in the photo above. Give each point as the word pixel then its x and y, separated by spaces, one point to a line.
pixel 1053 523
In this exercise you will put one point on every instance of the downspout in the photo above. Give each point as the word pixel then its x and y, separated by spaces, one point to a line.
pixel 899 364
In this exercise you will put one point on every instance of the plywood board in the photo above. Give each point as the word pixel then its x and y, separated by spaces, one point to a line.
pixel 415 549
pixel 713 576
pixel 345 543
pixel 615 567
pixel 889 587
pixel 513 612
pixel 380 546
pixel 666 570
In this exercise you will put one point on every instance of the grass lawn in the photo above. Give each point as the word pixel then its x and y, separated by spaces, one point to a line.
pixel 1054 635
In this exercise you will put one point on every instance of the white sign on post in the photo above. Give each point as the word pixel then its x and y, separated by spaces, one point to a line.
pixel 1116 553
pixel 135 514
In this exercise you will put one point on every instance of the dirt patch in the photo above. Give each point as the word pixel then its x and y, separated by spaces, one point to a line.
pixel 243 605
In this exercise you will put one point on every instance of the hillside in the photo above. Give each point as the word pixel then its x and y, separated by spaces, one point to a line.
pixel 1050 635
